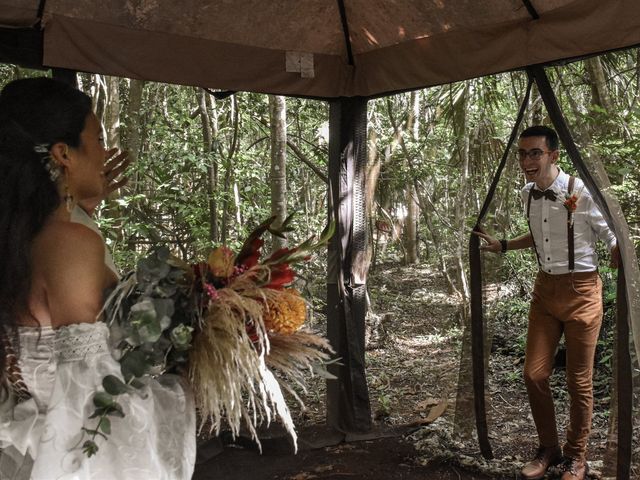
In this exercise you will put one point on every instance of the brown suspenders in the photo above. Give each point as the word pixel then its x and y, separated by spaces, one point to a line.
pixel 570 236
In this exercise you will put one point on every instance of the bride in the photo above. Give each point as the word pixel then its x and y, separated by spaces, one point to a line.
pixel 54 351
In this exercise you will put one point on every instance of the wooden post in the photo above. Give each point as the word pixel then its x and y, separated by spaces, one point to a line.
pixel 348 407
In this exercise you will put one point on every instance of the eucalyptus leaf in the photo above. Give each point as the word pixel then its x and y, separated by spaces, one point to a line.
pixel 181 337
pixel 90 448
pixel 134 364
pixel 116 410
pixel 151 270
pixel 113 385
pixel 105 425
pixel 102 399
pixel 165 309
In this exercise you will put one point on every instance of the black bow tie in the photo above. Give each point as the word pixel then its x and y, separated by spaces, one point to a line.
pixel 548 194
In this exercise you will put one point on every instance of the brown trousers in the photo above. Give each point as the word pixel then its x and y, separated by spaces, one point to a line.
pixel 569 304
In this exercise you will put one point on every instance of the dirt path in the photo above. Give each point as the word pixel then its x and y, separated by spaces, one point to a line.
pixel 413 376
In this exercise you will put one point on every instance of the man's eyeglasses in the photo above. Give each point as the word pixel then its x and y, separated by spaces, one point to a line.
pixel 534 153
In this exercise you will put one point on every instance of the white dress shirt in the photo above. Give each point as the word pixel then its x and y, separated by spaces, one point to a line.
pixel 548 221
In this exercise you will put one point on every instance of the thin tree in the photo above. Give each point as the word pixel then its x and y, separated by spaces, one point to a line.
pixel 278 174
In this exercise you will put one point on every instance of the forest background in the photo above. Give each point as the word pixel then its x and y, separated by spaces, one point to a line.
pixel 207 170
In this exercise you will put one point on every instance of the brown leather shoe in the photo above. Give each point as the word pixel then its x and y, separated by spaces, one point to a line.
pixel 575 469
pixel 545 457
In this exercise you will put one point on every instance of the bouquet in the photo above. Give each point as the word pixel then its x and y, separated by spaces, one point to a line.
pixel 233 325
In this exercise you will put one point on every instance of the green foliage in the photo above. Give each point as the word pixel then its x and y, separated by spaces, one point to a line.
pixel 149 332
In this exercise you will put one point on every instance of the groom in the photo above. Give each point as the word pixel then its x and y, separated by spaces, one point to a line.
pixel 564 225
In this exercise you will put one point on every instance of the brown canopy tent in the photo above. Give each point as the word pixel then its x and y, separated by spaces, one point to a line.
pixel 346 52
pixel 320 48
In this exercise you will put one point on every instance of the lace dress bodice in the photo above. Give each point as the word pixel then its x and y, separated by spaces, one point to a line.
pixel 62 370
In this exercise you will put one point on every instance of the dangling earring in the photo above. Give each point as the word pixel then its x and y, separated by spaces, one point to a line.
pixel 68 198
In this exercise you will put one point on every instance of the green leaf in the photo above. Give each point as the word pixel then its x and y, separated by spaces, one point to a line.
pixel 90 448
pixel 102 400
pixel 181 337
pixel 115 410
pixel 134 364
pixel 113 385
pixel 136 383
pixel 105 425
pixel 98 412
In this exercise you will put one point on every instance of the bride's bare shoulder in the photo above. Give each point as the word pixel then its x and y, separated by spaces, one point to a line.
pixel 63 245
pixel 68 264
pixel 61 241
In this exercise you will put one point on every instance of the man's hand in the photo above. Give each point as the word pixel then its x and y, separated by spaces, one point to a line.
pixel 493 245
pixel 615 257
pixel 113 169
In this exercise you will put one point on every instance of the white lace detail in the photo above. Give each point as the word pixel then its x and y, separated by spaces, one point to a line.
pixel 155 440
pixel 75 342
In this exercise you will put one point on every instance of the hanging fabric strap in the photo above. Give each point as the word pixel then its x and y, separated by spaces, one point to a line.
pixel 475 272
pixel 570 237
pixel 625 380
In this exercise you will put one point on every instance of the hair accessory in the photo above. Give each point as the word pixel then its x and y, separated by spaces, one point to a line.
pixel 50 165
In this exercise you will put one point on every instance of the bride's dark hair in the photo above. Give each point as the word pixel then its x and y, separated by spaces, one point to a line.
pixel 35 114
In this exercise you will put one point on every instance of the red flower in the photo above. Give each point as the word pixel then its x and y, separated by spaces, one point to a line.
pixel 251 260
pixel 281 275
pixel 280 253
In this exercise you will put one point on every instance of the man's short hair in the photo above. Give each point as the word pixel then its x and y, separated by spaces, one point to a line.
pixel 550 135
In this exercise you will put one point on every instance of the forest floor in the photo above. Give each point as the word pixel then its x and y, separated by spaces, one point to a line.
pixel 413 374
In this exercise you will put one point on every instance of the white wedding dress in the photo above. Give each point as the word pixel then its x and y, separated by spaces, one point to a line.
pixel 41 438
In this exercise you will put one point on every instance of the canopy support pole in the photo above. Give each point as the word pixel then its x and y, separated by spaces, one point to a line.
pixel 348 406
pixel 531 9
pixel 345 31
pixel 625 380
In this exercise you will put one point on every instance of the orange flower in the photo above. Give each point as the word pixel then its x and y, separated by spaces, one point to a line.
pixel 221 262
pixel 571 203
pixel 285 313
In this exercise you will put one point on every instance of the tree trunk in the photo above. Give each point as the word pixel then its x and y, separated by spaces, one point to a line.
pixel 373 173
pixel 597 80
pixel 278 174
pixel 410 230
pixel 461 131
pixel 410 226
pixel 112 112
pixel 228 175
pixel 133 144
pixel 212 170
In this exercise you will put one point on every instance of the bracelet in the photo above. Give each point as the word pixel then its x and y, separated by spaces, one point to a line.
pixel 503 244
